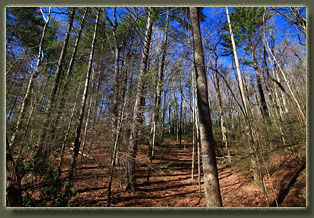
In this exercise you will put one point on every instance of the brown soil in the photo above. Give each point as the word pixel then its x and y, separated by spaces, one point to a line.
pixel 171 184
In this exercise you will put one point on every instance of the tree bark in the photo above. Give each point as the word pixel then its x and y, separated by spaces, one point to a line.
pixel 211 183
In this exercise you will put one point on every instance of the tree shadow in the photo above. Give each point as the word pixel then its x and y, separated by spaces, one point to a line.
pixel 286 188
pixel 167 175
pixel 225 176
pixel 117 200
pixel 167 187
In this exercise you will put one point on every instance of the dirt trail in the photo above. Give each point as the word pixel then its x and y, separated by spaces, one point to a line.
pixel 171 184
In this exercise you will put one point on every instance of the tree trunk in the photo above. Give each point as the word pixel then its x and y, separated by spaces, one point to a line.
pixel 30 82
pixel 51 101
pixel 86 127
pixel 117 81
pixel 298 106
pixel 222 116
pixel 246 113
pixel 180 116
pixel 163 117
pixel 263 105
pixel 194 137
pixel 66 85
pixel 237 65
pixel 211 183
pixel 132 148
pixel 198 144
pixel 115 147
pixel 13 186
pixel 157 96
pixel 67 134
pixel 83 103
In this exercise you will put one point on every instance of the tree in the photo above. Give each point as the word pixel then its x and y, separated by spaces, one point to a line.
pixel 52 97
pixel 132 148
pixel 157 95
pixel 24 25
pixel 253 147
pixel 32 76
pixel 246 22
pixel 82 107
pixel 211 183
pixel 275 61
pixel 295 15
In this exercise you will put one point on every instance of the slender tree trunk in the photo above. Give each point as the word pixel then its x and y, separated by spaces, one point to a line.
pixel 115 148
pixel 245 105
pixel 52 97
pixel 163 116
pixel 67 135
pixel 96 91
pixel 263 105
pixel 117 81
pixel 157 96
pixel 30 82
pixel 175 115
pixel 89 109
pixel 198 144
pixel 66 85
pixel 180 116
pixel 194 125
pixel 237 64
pixel 132 148
pixel 298 106
pixel 222 116
pixel 86 127
pixel 27 127
pixel 211 183
pixel 83 103
pixel 193 148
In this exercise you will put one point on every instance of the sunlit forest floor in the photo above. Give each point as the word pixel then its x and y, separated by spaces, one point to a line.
pixel 171 185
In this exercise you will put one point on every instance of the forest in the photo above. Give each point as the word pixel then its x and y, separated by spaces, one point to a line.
pixel 156 107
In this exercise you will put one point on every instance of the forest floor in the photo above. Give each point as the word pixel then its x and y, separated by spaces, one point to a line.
pixel 171 185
